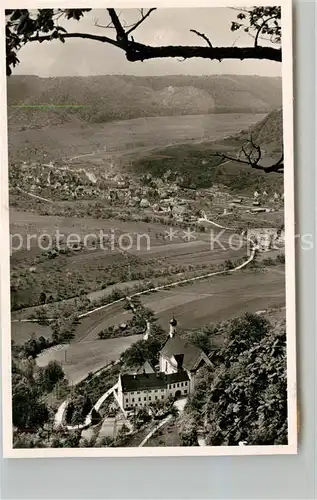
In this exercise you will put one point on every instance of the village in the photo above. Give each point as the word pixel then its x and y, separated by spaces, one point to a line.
pixel 145 196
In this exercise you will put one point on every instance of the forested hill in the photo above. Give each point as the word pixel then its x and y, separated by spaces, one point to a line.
pixel 111 97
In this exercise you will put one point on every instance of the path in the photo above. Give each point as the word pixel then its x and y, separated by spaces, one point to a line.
pixel 180 405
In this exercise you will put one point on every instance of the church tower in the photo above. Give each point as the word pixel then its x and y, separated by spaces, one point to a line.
pixel 173 325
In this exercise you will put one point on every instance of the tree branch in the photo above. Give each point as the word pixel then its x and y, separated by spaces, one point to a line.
pixel 275 167
pixel 98 38
pixel 265 23
pixel 143 17
pixel 121 34
pixel 202 35
pixel 139 52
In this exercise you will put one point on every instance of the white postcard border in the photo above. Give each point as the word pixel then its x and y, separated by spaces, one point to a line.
pixel 289 200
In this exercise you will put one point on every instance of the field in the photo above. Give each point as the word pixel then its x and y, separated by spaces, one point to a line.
pixel 152 255
pixel 195 305
pixel 80 358
pixel 182 146
pixel 104 144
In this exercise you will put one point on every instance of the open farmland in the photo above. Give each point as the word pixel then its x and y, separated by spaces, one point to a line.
pixel 80 358
pixel 82 271
pixel 100 143
pixel 208 301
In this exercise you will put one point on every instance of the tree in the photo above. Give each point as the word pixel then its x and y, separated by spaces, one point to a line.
pixel 78 409
pixel 188 433
pixel 42 318
pixel 42 298
pixel 28 412
pixel 52 374
pixel 239 335
pixel 263 24
pixel 143 350
pixel 122 435
pixel 25 26
pixel 245 397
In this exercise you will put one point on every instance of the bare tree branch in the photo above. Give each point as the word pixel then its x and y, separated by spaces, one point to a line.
pixel 202 35
pixel 143 17
pixel 139 52
pixel 109 25
pixel 121 34
pixel 98 38
pixel 278 166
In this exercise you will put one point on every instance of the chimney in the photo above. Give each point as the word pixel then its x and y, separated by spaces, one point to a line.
pixel 173 324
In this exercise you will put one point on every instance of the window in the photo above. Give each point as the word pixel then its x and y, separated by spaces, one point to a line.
pixel 132 392
pixel 181 385
pixel 144 398
pixel 166 367
pixel 155 397
pixel 173 386
pixel 177 385
pixel 162 390
pixel 127 400
pixel 149 398
pixel 132 399
pixel 139 399
pixel 155 390
pixel 139 392
pixel 162 397
pixel 185 391
pixel 185 383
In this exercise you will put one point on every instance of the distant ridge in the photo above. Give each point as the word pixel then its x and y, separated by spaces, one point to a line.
pixel 121 97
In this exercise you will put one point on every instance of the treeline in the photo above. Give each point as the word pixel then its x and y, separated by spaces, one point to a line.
pixel 243 397
pixel 30 386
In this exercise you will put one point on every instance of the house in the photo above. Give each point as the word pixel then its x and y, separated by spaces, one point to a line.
pixel 180 212
pixel 178 366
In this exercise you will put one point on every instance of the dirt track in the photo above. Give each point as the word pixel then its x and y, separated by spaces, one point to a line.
pixel 212 300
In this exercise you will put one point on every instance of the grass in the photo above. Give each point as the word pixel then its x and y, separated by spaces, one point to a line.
pixel 122 138
pixel 167 435
pixel 87 356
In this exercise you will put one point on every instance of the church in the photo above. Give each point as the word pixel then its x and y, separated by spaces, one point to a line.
pixel 179 362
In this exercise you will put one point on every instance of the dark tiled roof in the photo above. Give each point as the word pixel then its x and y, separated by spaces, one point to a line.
pixel 139 369
pixel 175 346
pixel 143 382
pixel 182 376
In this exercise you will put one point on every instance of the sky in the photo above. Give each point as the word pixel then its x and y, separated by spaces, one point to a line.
pixel 79 57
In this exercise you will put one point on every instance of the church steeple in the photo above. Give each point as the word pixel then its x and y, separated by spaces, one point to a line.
pixel 173 325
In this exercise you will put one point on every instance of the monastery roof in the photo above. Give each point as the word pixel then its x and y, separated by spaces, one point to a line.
pixel 180 376
pixel 143 382
pixel 176 346
pixel 149 381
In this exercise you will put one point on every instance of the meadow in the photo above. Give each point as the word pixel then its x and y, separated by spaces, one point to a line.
pixel 102 143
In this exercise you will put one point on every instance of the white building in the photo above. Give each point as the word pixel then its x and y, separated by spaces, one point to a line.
pixel 178 366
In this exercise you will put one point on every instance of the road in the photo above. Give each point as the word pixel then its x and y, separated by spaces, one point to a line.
pixel 207 301
pixel 218 298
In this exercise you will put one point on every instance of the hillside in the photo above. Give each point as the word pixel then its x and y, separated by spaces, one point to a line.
pixel 198 168
pixel 269 132
pixel 105 98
